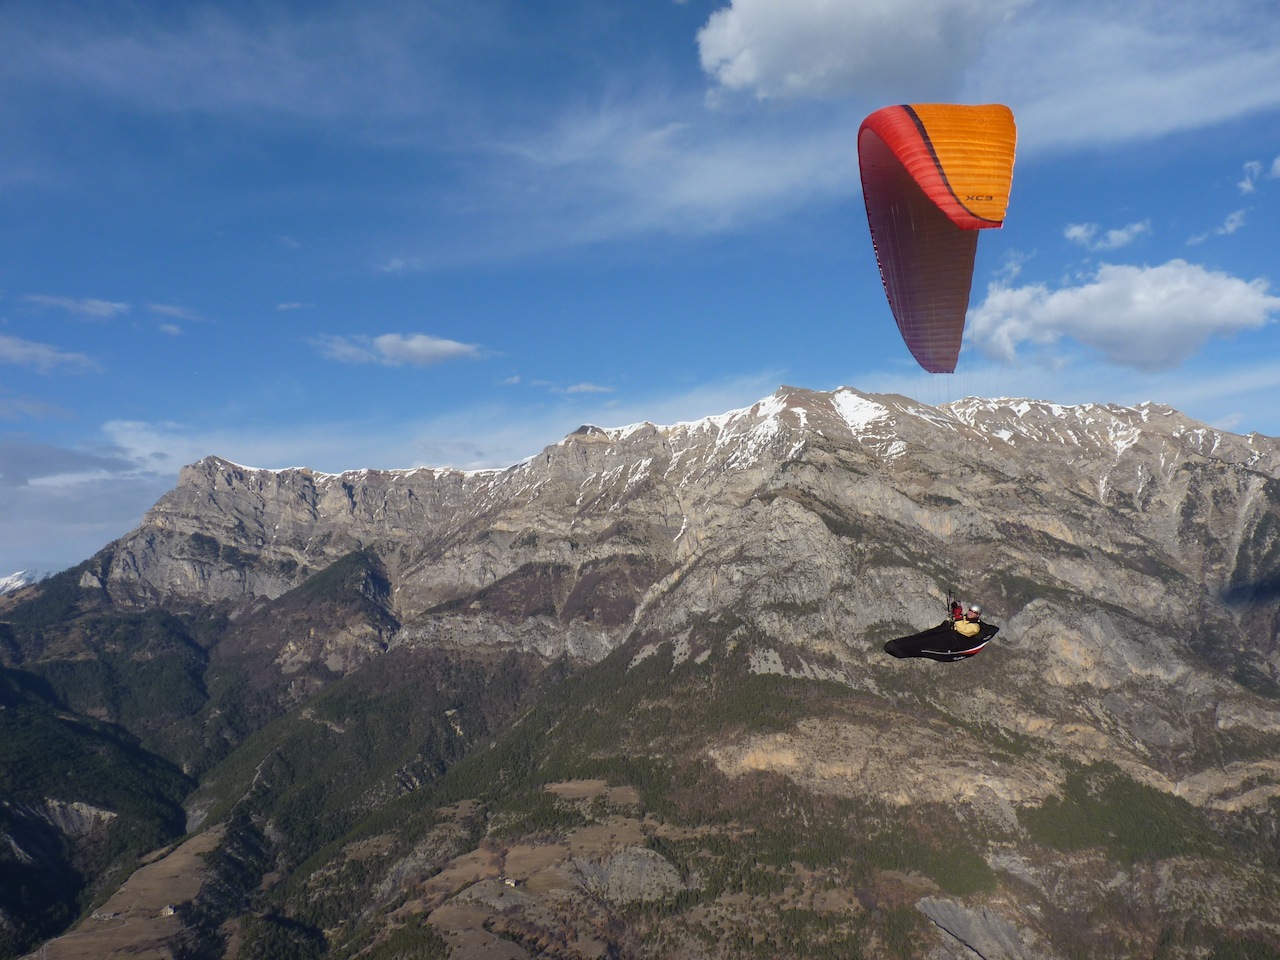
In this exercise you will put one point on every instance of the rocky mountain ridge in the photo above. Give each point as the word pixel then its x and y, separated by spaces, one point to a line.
pixel 279 525
pixel 1130 555
pixel 827 522
pixel 816 510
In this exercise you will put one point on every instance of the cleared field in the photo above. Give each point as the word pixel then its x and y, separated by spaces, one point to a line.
pixel 139 919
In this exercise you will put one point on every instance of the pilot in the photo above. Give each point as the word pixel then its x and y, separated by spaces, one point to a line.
pixel 970 626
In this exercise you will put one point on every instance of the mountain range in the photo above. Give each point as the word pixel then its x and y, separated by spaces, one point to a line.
pixel 628 698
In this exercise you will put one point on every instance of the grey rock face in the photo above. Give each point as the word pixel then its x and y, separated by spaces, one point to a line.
pixel 1130 555
pixel 977 933
pixel 1136 487
pixel 71 819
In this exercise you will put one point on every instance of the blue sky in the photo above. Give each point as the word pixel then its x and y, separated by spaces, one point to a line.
pixel 387 234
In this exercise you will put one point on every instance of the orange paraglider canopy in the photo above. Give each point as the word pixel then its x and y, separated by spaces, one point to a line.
pixel 932 176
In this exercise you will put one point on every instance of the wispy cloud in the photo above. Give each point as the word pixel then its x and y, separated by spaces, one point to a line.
pixel 1254 171
pixel 403 265
pixel 24 408
pixel 174 312
pixel 1127 72
pixel 582 388
pixel 396 349
pixel 1249 182
pixel 1144 318
pixel 86 308
pixel 40 356
pixel 662 166
pixel 62 503
pixel 482 435
pixel 641 160
pixel 24 461
pixel 348 62
pixel 1086 234
pixel 1230 225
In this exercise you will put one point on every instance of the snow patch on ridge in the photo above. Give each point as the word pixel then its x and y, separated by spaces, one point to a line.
pixel 858 412
pixel 358 474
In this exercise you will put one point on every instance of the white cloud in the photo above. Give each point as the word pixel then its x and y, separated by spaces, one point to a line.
pixel 41 356
pixel 171 328
pixel 660 166
pixel 1254 170
pixel 174 312
pixel 581 388
pixel 396 349
pixel 294 306
pixel 421 350
pixel 1089 72
pixel 1145 318
pixel 800 48
pixel 1234 222
pixel 1077 74
pixel 1248 183
pixel 403 265
pixel 86 307
pixel 1081 233
pixel 1086 234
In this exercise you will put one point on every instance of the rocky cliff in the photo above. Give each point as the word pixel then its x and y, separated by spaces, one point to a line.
pixel 1123 550
pixel 1118 538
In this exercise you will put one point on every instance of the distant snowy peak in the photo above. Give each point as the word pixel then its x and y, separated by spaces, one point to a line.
pixel 789 405
pixel 320 478
pixel 23 578
pixel 891 426
pixel 887 426
pixel 1112 428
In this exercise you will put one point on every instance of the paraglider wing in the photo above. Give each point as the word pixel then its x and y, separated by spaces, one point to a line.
pixel 941 643
pixel 933 175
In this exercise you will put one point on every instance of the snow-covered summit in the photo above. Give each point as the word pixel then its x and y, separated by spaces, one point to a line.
pixel 23 578
pixel 889 427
